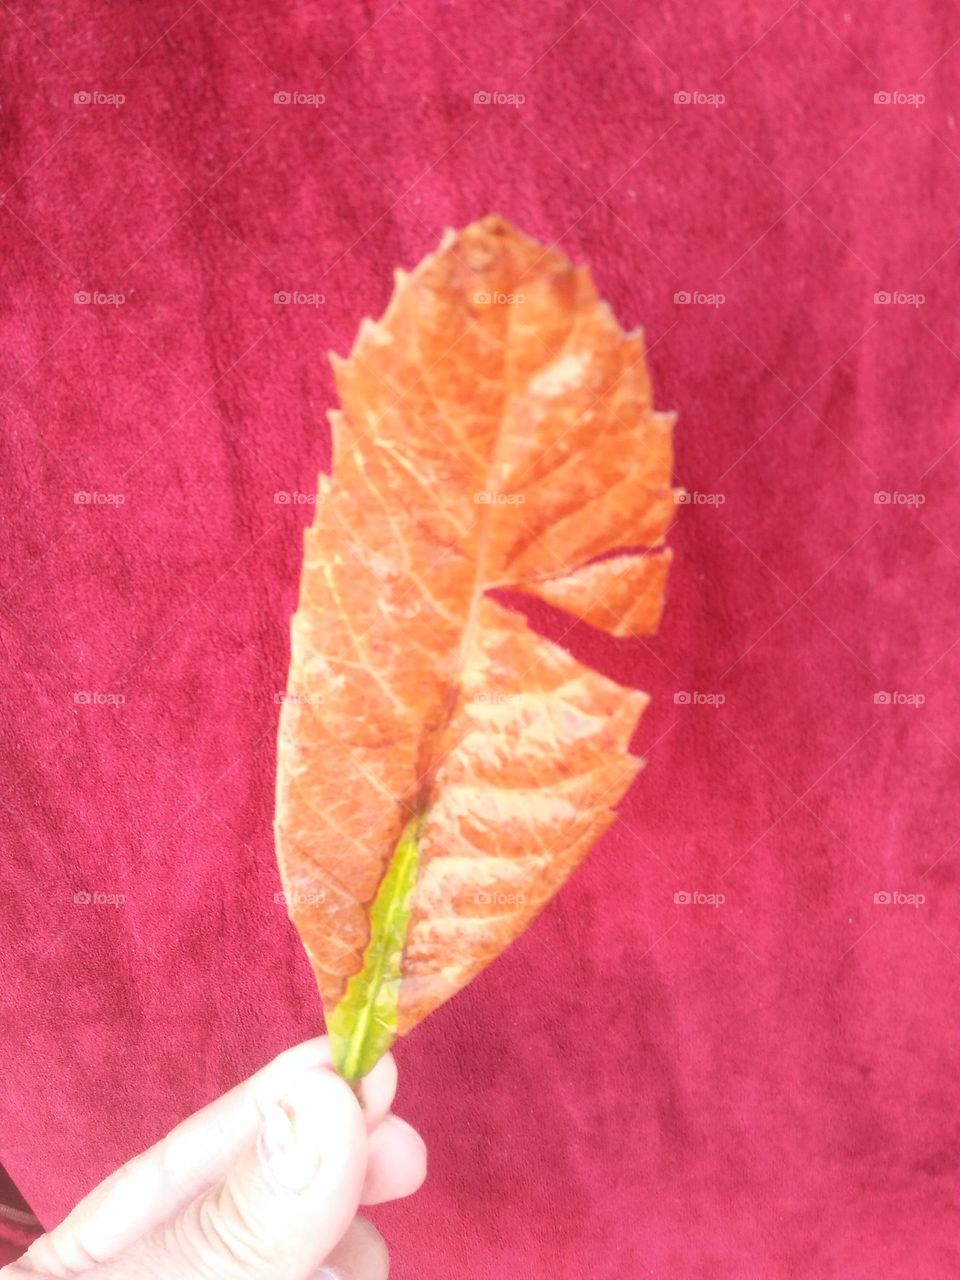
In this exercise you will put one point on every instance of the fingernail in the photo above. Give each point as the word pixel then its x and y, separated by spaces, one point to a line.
pixel 287 1147
pixel 331 1273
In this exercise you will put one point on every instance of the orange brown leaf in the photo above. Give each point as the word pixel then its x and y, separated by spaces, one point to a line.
pixel 497 431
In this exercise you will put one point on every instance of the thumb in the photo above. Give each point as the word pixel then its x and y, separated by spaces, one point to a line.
pixel 284 1205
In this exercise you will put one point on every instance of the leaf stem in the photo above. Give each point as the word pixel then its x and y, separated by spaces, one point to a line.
pixel 364 1024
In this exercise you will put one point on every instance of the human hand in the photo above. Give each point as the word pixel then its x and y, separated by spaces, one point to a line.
pixel 262 1184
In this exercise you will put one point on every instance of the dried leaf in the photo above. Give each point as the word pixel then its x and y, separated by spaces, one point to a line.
pixel 443 768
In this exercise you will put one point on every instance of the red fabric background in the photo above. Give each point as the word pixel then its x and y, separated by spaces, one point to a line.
pixel 640 1087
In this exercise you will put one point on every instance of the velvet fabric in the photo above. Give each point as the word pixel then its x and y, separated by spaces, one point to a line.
pixel 727 1048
